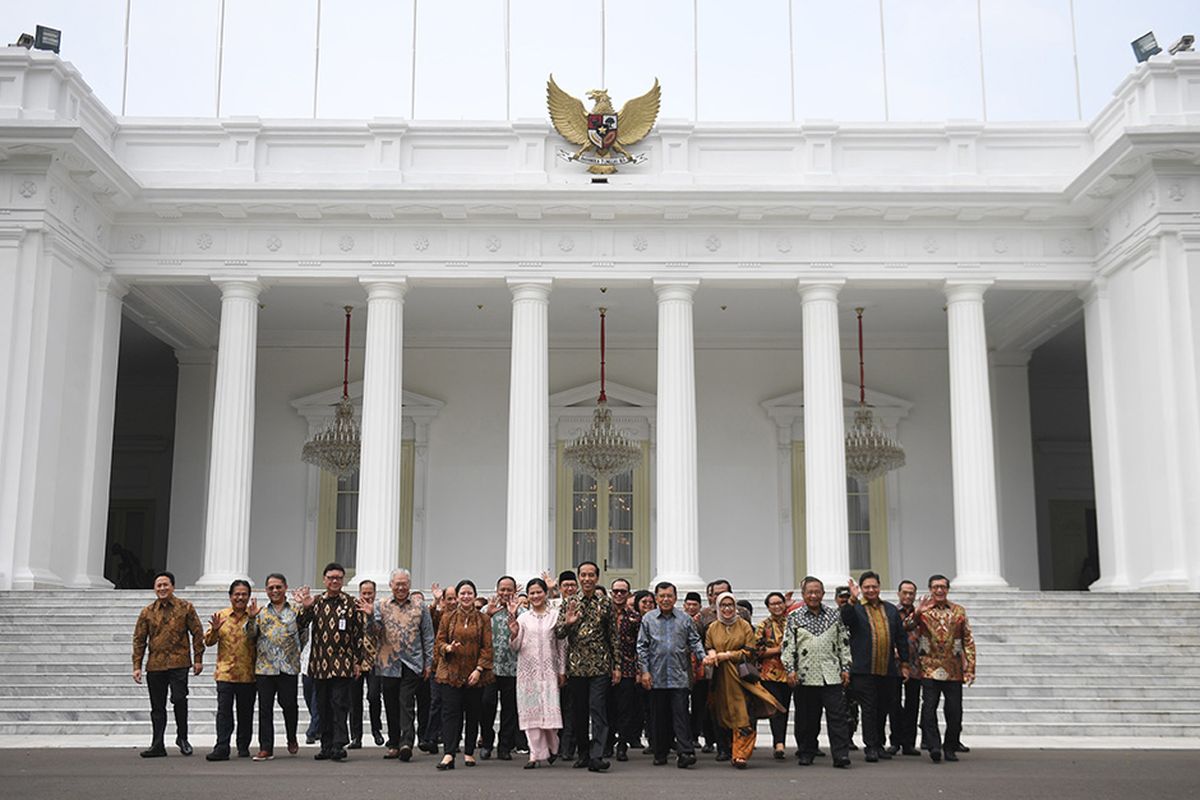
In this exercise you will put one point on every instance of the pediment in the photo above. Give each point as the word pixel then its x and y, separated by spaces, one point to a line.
pixel 618 394
pixel 321 404
pixel 788 410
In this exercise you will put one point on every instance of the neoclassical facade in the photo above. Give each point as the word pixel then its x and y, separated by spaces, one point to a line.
pixel 475 258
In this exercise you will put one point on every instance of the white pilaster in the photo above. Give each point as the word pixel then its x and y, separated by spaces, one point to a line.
pixel 97 446
pixel 527 529
pixel 677 549
pixel 378 548
pixel 827 537
pixel 227 520
pixel 1111 533
pixel 976 526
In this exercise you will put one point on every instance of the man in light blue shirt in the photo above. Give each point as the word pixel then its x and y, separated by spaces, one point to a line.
pixel 666 640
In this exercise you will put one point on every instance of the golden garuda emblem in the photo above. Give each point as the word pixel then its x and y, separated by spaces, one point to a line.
pixel 602 134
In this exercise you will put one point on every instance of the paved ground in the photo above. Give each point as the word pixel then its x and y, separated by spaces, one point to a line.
pixel 118 774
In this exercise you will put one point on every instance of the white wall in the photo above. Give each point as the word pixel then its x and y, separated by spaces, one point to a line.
pixel 739 502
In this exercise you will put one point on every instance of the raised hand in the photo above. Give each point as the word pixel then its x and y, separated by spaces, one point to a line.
pixel 364 605
pixel 436 591
pixel 216 621
pixel 549 579
pixel 925 604
pixel 854 591
pixel 252 609
pixel 572 616
pixel 513 608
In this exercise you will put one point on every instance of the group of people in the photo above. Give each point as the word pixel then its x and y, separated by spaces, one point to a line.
pixel 576 671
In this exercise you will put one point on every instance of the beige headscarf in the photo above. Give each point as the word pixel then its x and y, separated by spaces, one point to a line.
pixel 720 616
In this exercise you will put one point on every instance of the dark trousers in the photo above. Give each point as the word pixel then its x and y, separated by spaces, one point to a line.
pixel 624 715
pixel 460 704
pixel 333 705
pixel 931 694
pixel 157 683
pixel 310 702
pixel 779 722
pixel 269 687
pixel 425 734
pixel 874 696
pixel 701 725
pixel 228 695
pixel 502 695
pixel 906 701
pixel 851 712
pixel 589 699
pixel 810 700
pixel 566 737
pixel 373 703
pixel 646 716
pixel 672 722
pixel 398 694
pixel 435 710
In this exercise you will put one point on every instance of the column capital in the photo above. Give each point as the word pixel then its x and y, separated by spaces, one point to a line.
pixel 384 288
pixel 969 290
pixel 247 287
pixel 110 284
pixel 812 291
pixel 523 288
pixel 675 288
pixel 1095 290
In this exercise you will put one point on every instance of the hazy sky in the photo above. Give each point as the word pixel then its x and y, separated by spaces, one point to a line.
pixel 752 60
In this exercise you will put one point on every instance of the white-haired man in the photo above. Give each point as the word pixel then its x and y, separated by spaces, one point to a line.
pixel 403 634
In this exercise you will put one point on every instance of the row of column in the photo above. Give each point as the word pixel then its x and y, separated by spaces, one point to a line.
pixel 677 544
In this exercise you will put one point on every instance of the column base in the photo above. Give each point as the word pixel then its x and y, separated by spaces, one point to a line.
pixel 89 582
pixel 35 578
pixel 979 582
pixel 684 582
pixel 1115 584
pixel 1165 581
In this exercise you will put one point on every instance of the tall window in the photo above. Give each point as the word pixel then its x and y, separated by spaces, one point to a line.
pixel 858 514
pixel 605 522
pixel 345 534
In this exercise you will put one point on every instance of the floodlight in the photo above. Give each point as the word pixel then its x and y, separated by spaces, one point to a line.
pixel 1183 44
pixel 47 38
pixel 1145 46
pixel 24 40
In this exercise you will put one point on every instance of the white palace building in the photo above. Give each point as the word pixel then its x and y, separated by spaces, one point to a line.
pixel 171 300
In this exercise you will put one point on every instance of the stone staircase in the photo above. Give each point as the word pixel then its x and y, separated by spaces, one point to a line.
pixel 1050 664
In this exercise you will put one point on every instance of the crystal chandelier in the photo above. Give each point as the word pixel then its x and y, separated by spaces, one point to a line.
pixel 336 448
pixel 602 451
pixel 870 452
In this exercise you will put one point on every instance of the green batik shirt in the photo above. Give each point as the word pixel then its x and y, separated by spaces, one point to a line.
pixel 816 646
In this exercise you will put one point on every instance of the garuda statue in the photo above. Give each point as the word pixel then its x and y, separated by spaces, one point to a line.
pixel 602 133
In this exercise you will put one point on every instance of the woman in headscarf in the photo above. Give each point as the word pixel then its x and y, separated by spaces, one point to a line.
pixel 736 701
pixel 774 677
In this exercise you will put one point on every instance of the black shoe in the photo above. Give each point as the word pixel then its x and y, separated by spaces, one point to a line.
pixel 581 762
pixel 780 755
pixel 485 754
pixel 378 738
pixel 355 744
pixel 338 755
pixel 893 750
pixel 503 755
pixel 805 760
pixel 553 757
pixel 951 755
pixel 690 758
pixel 648 751
pixel 910 751
pixel 608 753
pixel 530 765
pixel 470 763
pixel 658 762
pixel 445 765
pixel 885 755
pixel 821 753
pixel 185 747
pixel 842 763
pixel 405 753
pixel 310 739
pixel 708 748
pixel 622 752
pixel 598 765
pixel 683 762
pixel 323 755
pixel 154 751
pixel 872 755
pixel 427 747
pixel 936 756
pixel 962 748
pixel 217 755
pixel 721 756
pixel 853 746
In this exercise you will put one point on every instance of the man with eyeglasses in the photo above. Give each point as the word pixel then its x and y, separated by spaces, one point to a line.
pixel 624 708
pixel 339 654
pixel 946 651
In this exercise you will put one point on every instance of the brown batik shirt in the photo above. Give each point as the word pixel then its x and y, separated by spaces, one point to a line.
pixel 339 640
pixel 165 626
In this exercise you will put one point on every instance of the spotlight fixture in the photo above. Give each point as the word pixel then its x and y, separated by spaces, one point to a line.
pixel 1183 44
pixel 24 40
pixel 1145 46
pixel 47 39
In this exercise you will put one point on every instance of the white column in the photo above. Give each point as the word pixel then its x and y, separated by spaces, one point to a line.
pixel 1106 446
pixel 190 461
pixel 527 529
pixel 826 529
pixel 101 405
pixel 378 549
pixel 227 519
pixel 677 549
pixel 976 527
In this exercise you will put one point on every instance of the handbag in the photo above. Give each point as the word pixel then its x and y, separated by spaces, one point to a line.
pixel 748 671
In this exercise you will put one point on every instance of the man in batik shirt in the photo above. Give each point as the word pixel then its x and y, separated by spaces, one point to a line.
pixel 229 630
pixel 165 626
pixel 907 699
pixel 278 641
pixel 500 694
pixel 338 654
pixel 946 652
pixel 816 655
pixel 624 706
